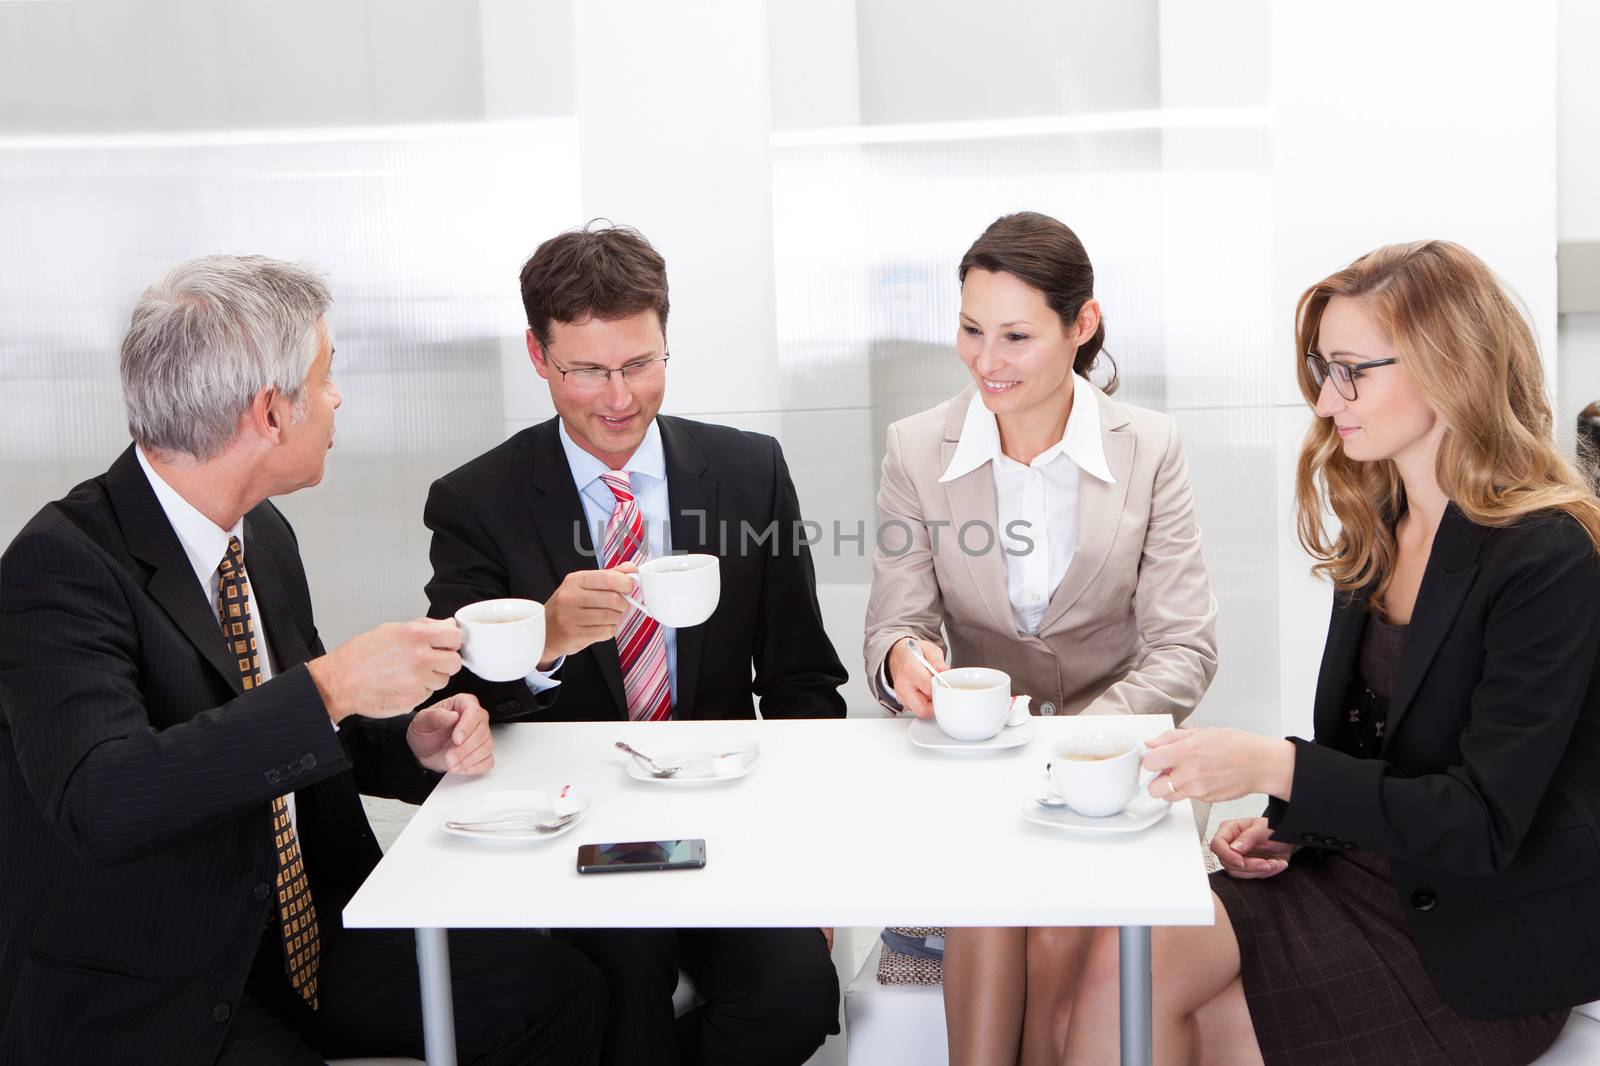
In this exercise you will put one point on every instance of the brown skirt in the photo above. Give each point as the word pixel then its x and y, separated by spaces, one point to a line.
pixel 1332 976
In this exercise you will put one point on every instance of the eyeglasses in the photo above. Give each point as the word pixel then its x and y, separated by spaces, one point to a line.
pixel 597 377
pixel 1343 374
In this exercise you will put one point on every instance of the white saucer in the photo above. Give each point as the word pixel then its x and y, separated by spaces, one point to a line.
pixel 700 768
pixel 536 803
pixel 1142 813
pixel 925 733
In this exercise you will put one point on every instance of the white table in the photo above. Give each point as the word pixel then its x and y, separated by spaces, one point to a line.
pixel 842 823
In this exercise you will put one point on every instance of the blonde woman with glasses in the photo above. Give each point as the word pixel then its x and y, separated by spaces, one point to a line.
pixel 1422 885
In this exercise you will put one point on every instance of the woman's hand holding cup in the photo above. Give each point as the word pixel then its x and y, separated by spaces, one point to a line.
pixel 1246 849
pixel 913 685
pixel 1214 764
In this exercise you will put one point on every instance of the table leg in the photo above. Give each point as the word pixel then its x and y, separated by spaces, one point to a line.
pixel 1134 966
pixel 438 1015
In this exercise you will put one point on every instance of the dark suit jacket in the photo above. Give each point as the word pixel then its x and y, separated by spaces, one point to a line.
pixel 510 523
pixel 1485 796
pixel 136 777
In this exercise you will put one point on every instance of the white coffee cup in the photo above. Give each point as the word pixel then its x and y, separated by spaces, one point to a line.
pixel 501 640
pixel 1098 774
pixel 679 590
pixel 976 703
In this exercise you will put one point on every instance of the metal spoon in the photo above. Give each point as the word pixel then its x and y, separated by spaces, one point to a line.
pixel 938 677
pixel 655 768
pixel 514 823
pixel 1050 799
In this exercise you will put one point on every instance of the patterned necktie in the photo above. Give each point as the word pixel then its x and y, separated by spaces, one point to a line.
pixel 641 647
pixel 297 916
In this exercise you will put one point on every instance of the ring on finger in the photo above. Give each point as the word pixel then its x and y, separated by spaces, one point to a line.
pixel 1172 787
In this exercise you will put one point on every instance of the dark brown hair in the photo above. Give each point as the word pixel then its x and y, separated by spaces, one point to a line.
pixel 1047 255
pixel 601 271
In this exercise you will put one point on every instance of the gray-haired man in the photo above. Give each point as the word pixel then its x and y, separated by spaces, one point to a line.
pixel 180 758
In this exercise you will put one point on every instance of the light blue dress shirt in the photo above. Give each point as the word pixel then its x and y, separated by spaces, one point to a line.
pixel 647 475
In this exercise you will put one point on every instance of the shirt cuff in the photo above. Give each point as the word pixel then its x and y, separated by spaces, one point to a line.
pixel 890 701
pixel 544 680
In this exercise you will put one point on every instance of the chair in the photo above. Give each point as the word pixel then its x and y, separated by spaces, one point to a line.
pixel 1579 1042
pixel 893 1025
pixel 683 998
pixel 903 1025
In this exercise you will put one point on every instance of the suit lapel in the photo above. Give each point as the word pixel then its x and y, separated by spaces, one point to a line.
pixel 172 583
pixel 265 565
pixel 1339 660
pixel 1099 514
pixel 970 498
pixel 1452 566
pixel 693 520
pixel 558 518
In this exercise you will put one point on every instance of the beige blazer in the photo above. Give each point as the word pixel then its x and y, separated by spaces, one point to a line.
pixel 1131 629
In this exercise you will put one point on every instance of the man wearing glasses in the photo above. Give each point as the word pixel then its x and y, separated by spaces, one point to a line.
pixel 563 513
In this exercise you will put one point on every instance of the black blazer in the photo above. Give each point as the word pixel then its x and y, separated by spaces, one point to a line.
pixel 510 523
pixel 136 779
pixel 1485 796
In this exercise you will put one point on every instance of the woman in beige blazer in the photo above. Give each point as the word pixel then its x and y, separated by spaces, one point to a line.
pixel 1048 531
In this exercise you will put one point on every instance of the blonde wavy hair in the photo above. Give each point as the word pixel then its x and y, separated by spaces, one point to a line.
pixel 1468 351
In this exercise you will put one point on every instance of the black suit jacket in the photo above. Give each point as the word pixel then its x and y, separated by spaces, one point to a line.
pixel 510 523
pixel 136 778
pixel 1485 796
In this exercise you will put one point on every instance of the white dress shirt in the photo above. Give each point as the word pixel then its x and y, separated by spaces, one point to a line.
pixel 1036 503
pixel 205 543
pixel 647 477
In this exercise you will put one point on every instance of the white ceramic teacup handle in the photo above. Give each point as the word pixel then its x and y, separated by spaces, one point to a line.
pixel 635 604
pixel 1019 710
pixel 1146 776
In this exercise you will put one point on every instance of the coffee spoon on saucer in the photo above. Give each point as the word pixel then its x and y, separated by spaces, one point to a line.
pixel 656 769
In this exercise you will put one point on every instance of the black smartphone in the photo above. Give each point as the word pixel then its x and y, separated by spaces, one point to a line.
pixel 641 855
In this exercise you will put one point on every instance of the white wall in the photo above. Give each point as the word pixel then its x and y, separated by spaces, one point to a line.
pixel 814 64
pixel 674 116
pixel 937 60
pixel 527 58
pixel 1578 202
pixel 119 65
pixel 1578 360
pixel 1578 120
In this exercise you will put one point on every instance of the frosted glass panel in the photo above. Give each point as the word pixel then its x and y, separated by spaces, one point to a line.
pixel 869 237
pixel 421 231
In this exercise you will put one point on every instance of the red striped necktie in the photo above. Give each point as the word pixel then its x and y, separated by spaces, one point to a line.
pixel 641 647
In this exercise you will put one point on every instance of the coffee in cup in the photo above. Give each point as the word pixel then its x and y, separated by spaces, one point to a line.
pixel 1098 774
pixel 679 590
pixel 501 640
pixel 974 703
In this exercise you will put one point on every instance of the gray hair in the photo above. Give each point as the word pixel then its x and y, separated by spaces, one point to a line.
pixel 209 336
